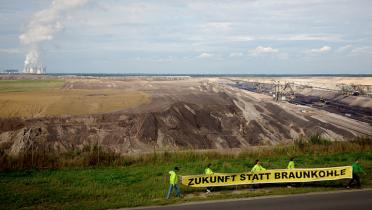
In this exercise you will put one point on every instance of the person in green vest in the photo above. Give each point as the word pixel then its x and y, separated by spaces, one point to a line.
pixel 357 170
pixel 173 183
pixel 258 167
pixel 208 171
pixel 291 164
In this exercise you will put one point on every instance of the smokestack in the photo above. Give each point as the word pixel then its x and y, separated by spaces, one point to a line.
pixel 42 27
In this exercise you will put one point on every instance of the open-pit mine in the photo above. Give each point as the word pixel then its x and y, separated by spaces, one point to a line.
pixel 142 114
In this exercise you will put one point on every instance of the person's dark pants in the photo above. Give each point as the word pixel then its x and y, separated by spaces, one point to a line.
pixel 356 178
pixel 175 186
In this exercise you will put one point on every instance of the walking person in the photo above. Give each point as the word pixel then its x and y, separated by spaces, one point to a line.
pixel 173 183
pixel 357 170
pixel 208 171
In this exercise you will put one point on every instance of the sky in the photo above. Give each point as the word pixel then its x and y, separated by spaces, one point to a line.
pixel 189 36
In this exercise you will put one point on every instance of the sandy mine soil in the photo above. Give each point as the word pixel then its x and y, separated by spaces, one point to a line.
pixel 322 82
pixel 140 114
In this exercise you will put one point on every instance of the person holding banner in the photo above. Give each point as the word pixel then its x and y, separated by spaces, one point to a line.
pixel 257 167
pixel 357 169
pixel 291 164
pixel 208 171
pixel 173 183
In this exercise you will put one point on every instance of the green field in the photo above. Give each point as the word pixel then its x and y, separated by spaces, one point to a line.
pixel 28 85
pixel 142 180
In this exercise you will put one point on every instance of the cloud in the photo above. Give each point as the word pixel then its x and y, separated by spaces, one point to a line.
pixel 345 48
pixel 205 55
pixel 10 50
pixel 323 49
pixel 238 38
pixel 235 54
pixel 312 37
pixel 362 50
pixel 262 50
pixel 216 27
pixel 44 25
pixel 205 30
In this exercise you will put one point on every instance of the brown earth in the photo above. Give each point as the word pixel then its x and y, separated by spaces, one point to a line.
pixel 60 102
pixel 182 112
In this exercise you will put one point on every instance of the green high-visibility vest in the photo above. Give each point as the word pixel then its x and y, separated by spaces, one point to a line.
pixel 291 165
pixel 173 179
pixel 257 167
pixel 208 171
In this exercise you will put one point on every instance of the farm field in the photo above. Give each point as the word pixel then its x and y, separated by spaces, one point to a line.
pixel 40 98
pixel 28 85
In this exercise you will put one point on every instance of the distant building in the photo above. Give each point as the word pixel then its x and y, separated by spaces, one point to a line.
pixel 10 71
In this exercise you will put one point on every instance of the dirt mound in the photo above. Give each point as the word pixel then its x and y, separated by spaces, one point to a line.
pixel 197 114
pixel 182 125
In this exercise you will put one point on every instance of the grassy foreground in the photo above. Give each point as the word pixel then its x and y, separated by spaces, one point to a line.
pixel 142 180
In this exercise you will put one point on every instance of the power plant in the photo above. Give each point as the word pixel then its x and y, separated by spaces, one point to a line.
pixel 34 69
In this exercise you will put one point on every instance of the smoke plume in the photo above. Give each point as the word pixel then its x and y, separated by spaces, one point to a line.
pixel 32 57
pixel 44 25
